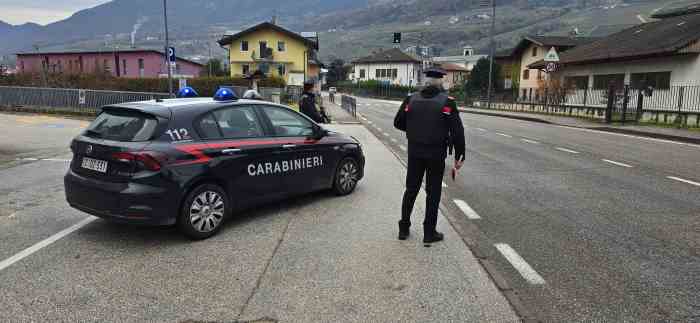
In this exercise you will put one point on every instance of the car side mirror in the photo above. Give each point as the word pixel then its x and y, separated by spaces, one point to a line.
pixel 319 132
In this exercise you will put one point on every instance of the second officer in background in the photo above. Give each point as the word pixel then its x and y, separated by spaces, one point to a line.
pixel 432 124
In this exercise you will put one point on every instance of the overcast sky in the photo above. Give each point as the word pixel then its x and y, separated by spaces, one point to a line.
pixel 42 11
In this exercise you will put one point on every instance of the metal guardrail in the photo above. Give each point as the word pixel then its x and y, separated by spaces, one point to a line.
pixel 349 104
pixel 71 100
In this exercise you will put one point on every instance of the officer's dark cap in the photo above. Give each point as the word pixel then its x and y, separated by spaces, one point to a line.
pixel 435 72
pixel 309 83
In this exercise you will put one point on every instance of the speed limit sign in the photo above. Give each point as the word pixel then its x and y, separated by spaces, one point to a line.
pixel 551 67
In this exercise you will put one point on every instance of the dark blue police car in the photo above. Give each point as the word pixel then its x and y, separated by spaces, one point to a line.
pixel 193 162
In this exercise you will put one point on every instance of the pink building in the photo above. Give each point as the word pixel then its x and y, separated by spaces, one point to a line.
pixel 132 63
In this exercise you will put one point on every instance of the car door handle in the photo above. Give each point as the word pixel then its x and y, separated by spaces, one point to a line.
pixel 231 151
pixel 288 146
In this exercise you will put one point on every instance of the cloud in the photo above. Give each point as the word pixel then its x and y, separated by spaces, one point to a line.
pixel 42 11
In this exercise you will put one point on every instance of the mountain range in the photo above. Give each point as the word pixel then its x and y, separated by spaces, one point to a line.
pixel 348 28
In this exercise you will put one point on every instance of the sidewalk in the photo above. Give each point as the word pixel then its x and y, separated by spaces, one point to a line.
pixel 674 134
pixel 339 260
pixel 336 112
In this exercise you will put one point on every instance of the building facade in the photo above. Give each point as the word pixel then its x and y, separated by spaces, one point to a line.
pixel 273 51
pixel 132 63
pixel 457 75
pixel 391 66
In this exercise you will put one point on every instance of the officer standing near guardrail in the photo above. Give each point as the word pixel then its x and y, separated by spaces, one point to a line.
pixel 307 102
pixel 432 124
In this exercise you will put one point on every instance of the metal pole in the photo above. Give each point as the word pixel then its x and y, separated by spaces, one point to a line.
pixel 167 45
pixel 492 50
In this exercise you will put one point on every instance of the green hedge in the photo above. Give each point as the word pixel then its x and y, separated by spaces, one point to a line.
pixel 205 86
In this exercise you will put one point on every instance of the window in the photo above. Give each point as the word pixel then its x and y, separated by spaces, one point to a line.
pixel 122 126
pixel 281 46
pixel 539 75
pixel 245 69
pixel 124 66
pixel 603 81
pixel 234 122
pixel 395 73
pixel 287 123
pixel 534 51
pixel 378 73
pixel 263 49
pixel 576 82
pixel 142 68
pixel 281 69
pixel 244 45
pixel 526 74
pixel 362 73
pixel 657 80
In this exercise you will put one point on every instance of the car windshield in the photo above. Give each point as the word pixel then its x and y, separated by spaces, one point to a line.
pixel 122 126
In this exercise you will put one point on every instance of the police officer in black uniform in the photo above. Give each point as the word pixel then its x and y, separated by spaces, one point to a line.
pixel 432 124
pixel 307 103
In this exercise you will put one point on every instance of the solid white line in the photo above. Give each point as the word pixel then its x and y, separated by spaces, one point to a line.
pixel 684 180
pixel 530 141
pixel 467 210
pixel 617 163
pixel 56 159
pixel 520 264
pixel 567 150
pixel 504 135
pixel 402 147
pixel 27 252
pixel 644 21
pixel 28 159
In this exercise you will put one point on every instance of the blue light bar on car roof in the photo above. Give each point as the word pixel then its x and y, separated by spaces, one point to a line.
pixel 187 92
pixel 224 94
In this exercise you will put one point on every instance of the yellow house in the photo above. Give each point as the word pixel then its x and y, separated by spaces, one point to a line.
pixel 273 51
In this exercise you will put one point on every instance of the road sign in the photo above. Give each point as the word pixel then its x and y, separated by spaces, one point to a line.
pixel 171 54
pixel 551 67
pixel 552 56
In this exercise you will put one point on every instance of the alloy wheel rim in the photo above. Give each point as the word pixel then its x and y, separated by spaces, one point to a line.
pixel 207 211
pixel 348 176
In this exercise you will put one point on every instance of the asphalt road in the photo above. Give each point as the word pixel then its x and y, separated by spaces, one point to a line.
pixel 317 258
pixel 587 225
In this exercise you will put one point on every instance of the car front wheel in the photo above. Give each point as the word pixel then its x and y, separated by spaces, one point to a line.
pixel 346 176
pixel 203 212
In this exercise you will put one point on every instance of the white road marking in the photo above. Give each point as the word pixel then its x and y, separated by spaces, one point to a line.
pixel 385 134
pixel 393 140
pixel 28 159
pixel 617 163
pixel 504 135
pixel 683 180
pixel 402 147
pixel 56 159
pixel 644 21
pixel 520 264
pixel 443 184
pixel 467 210
pixel 370 122
pixel 44 243
pixel 567 150
pixel 480 129
pixel 530 141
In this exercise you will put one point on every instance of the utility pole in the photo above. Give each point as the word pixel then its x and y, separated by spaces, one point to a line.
pixel 167 46
pixel 492 49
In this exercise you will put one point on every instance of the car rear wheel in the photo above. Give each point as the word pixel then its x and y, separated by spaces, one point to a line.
pixel 346 176
pixel 203 212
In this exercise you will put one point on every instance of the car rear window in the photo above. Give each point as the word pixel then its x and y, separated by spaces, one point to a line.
pixel 123 126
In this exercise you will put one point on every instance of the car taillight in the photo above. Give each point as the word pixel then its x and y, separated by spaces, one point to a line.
pixel 145 159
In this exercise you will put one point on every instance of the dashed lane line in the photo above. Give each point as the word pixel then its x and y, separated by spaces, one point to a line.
pixel 467 210
pixel 386 134
pixel 504 135
pixel 44 243
pixel 525 270
pixel 402 147
pixel 617 163
pixel 531 141
pixel 481 129
pixel 393 140
pixel 683 180
pixel 567 150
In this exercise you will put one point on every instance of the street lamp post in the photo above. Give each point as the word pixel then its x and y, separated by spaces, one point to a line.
pixel 492 49
pixel 167 46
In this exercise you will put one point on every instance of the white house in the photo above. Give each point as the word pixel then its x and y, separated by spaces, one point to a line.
pixel 467 60
pixel 392 66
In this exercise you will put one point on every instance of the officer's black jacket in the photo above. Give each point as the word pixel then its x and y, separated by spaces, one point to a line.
pixel 307 106
pixel 436 131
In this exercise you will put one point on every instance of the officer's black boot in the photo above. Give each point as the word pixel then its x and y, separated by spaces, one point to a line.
pixel 404 231
pixel 433 237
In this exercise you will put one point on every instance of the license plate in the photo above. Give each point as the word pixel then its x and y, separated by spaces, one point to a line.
pixel 95 164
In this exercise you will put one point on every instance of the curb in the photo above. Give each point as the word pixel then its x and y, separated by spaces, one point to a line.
pixel 473 238
pixel 654 135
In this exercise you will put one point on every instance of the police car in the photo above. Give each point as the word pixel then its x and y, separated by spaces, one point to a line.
pixel 195 161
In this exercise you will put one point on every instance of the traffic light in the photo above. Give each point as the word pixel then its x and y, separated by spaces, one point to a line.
pixel 397 38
